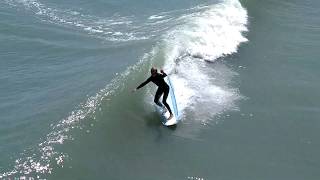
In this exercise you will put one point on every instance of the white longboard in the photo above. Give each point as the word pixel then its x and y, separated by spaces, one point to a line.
pixel 171 100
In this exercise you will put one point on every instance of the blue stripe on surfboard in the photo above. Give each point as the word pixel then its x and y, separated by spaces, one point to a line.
pixel 173 99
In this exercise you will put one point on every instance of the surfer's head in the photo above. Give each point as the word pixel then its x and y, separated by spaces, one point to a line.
pixel 153 71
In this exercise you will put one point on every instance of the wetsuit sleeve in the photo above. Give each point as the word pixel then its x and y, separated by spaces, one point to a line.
pixel 163 74
pixel 144 83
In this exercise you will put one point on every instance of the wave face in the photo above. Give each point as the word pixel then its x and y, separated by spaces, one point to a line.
pixel 189 43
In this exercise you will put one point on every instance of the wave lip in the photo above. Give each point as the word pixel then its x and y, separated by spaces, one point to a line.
pixel 216 32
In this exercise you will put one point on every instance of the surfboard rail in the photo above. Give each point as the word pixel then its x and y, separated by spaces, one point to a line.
pixel 171 100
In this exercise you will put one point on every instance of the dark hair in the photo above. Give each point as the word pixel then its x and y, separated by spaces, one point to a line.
pixel 153 70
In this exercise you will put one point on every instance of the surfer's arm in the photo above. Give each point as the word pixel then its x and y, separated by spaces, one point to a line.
pixel 163 73
pixel 144 83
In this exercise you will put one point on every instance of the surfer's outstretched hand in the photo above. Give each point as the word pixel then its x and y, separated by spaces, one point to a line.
pixel 134 90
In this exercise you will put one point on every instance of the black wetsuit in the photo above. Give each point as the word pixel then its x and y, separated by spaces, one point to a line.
pixel 163 87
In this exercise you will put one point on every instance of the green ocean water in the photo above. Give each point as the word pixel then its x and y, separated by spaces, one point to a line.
pixel 245 75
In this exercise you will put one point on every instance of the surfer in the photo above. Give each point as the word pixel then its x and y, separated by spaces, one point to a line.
pixel 163 88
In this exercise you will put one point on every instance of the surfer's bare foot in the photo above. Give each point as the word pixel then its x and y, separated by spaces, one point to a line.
pixel 171 115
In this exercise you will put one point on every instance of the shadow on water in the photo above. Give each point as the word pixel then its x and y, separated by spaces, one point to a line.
pixel 153 120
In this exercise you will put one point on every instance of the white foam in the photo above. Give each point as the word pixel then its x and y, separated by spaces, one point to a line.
pixel 156 17
pixel 97 26
pixel 93 30
pixel 213 33
pixel 205 35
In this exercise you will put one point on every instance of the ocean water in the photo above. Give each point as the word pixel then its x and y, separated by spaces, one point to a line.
pixel 245 74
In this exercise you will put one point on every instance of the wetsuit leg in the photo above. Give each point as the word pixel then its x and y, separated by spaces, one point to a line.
pixel 157 96
pixel 164 99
